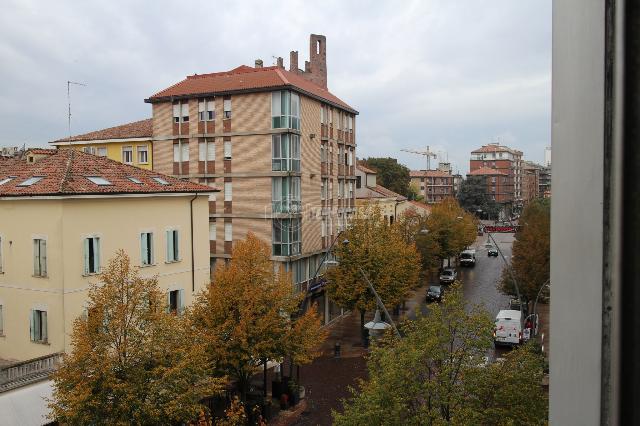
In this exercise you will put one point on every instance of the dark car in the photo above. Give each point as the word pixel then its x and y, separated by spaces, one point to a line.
pixel 492 251
pixel 434 293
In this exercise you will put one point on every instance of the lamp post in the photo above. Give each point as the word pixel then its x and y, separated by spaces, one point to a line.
pixel 547 283
pixel 510 269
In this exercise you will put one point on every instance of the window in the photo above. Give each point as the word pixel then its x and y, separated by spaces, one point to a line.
pixel 31 181
pixel 6 180
pixel 161 181
pixel 285 152
pixel 102 151
pixel 324 188
pixel 323 153
pixel 228 231
pixel 89 150
pixel 323 115
pixel 127 154
pixel 181 112
pixel 99 180
pixel 227 108
pixel 350 124
pixel 330 194
pixel 39 257
pixel 228 191
pixel 175 302
pixel 206 110
pixel 146 248
pixel 323 230
pixel 173 238
pixel 227 150
pixel 341 188
pixel 38 326
pixel 286 237
pixel 91 255
pixel 286 195
pixel 212 231
pixel 285 110
pixel 341 155
pixel 207 150
pixel 350 189
pixel 359 182
pixel 134 180
pixel 143 154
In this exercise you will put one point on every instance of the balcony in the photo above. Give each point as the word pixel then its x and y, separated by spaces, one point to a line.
pixel 27 372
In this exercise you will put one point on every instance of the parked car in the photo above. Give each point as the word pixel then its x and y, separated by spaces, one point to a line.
pixel 435 292
pixel 492 251
pixel 508 328
pixel 468 258
pixel 448 276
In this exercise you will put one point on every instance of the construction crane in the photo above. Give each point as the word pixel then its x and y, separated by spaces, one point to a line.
pixel 426 152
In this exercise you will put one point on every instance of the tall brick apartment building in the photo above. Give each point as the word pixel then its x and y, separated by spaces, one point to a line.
pixel 434 185
pixel 280 145
pixel 502 168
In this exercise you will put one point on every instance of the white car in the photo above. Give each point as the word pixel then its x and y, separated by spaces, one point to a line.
pixel 448 276
pixel 508 328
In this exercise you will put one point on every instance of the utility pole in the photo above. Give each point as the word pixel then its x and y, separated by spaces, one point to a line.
pixel 425 152
pixel 69 83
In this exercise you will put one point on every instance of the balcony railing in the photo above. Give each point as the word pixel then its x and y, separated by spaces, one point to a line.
pixel 25 372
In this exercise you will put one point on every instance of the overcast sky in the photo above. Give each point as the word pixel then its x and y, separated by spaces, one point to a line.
pixel 452 75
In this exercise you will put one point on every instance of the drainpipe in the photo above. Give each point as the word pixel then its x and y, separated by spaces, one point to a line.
pixel 193 271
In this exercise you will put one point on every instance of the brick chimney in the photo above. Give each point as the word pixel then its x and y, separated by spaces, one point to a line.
pixel 258 63
pixel 293 61
pixel 280 62
pixel 317 60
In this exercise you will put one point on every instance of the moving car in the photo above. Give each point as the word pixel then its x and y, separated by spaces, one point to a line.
pixel 448 276
pixel 508 328
pixel 468 258
pixel 434 293
pixel 492 251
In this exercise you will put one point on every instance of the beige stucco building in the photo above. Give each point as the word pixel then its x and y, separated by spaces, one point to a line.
pixel 63 215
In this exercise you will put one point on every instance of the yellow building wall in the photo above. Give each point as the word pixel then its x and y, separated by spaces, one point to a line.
pixel 114 151
pixel 64 224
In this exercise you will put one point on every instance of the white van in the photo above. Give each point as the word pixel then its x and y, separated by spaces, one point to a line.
pixel 468 258
pixel 508 329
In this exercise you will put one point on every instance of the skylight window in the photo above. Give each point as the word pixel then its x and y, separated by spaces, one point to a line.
pixel 99 180
pixel 134 180
pixel 7 179
pixel 31 181
pixel 161 181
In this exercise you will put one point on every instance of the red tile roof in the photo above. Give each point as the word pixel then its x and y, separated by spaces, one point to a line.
pixel 388 193
pixel 137 129
pixel 65 173
pixel 42 151
pixel 496 148
pixel 246 79
pixel 429 173
pixel 483 171
pixel 420 205
pixel 365 169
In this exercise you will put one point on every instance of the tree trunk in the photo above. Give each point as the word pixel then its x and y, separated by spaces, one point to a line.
pixel 362 327
pixel 264 361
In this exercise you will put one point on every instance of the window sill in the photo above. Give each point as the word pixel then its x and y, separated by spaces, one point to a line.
pixel 149 265
pixel 90 274
pixel 172 261
pixel 41 342
pixel 146 163
pixel 40 276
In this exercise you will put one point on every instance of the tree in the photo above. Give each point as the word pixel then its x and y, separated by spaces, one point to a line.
pixel 131 361
pixel 248 315
pixel 473 197
pixel 413 193
pixel 390 174
pixel 414 230
pixel 391 264
pixel 531 251
pixel 451 230
pixel 436 374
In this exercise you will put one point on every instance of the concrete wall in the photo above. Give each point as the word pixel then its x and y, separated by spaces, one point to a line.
pixel 576 211
pixel 64 224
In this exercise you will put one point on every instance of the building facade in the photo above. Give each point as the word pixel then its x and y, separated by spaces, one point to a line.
pixel 128 143
pixel 505 160
pixel 497 184
pixel 278 143
pixel 530 181
pixel 64 215
pixel 434 185
pixel 369 192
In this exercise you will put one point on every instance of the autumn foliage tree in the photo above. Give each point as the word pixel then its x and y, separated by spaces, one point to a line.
pixel 248 315
pixel 531 251
pixel 436 374
pixel 391 264
pixel 131 361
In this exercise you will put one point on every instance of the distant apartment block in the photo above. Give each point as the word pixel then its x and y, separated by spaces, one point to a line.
pixel 369 192
pixel 530 181
pixel 64 215
pixel 434 185
pixel 128 143
pixel 502 168
pixel 279 145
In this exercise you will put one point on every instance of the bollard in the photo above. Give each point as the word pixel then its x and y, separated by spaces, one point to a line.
pixel 336 350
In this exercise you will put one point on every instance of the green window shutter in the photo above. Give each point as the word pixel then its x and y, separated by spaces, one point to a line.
pixel 43 327
pixel 36 259
pixel 32 325
pixel 86 255
pixel 43 257
pixel 170 246
pixel 180 301
pixel 143 249
pixel 176 241
pixel 150 247
pixel 96 254
pixel 168 307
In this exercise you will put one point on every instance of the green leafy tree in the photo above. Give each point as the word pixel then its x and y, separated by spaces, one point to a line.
pixel 390 174
pixel 248 315
pixel 450 230
pixel 391 263
pixel 531 251
pixel 414 194
pixel 436 374
pixel 473 197
pixel 131 361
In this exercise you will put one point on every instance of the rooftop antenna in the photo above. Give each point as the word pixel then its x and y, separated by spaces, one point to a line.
pixel 426 152
pixel 69 83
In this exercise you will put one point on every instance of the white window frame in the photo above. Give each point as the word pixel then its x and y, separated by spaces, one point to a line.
pixel 172 253
pixel 127 149
pixel 101 151
pixel 142 149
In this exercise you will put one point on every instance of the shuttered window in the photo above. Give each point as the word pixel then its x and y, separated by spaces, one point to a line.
pixel 146 248
pixel 38 326
pixel 227 150
pixel 91 255
pixel 40 257
pixel 175 302
pixel 228 231
pixel 173 253
pixel 227 191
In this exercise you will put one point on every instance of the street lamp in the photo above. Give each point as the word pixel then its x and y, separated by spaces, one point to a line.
pixel 510 269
